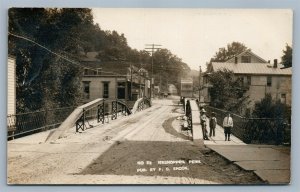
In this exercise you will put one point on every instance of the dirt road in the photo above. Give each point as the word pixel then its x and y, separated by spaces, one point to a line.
pixel 145 148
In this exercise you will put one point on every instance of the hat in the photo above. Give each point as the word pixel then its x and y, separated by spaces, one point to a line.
pixel 213 113
pixel 203 110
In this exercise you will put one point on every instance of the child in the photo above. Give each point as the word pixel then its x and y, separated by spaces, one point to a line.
pixel 212 124
pixel 203 123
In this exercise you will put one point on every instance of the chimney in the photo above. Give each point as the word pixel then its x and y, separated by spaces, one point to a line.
pixel 275 63
pixel 235 60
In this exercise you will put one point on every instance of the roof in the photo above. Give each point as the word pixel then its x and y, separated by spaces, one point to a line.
pixel 252 68
pixel 231 60
pixel 189 80
pixel 90 60
pixel 112 67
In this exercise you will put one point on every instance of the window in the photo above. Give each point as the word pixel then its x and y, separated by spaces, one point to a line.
pixel 187 86
pixel 269 81
pixel 105 89
pixel 99 71
pixel 283 98
pixel 248 80
pixel 246 59
pixel 86 89
pixel 121 90
pixel 85 71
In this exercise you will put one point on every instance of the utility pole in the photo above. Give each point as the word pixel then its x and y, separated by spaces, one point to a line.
pixel 153 47
pixel 160 79
pixel 200 84
pixel 130 82
pixel 140 80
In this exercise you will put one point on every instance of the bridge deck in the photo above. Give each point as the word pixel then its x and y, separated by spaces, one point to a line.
pixel 112 153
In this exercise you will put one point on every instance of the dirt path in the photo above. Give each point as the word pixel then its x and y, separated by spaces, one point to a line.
pixel 145 148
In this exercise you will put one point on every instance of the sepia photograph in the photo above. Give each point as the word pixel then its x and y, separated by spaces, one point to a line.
pixel 149 96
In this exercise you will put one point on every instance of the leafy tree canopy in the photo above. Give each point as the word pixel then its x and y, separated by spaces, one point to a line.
pixel 46 80
pixel 268 108
pixel 228 52
pixel 227 92
pixel 287 56
pixel 168 68
pixel 43 79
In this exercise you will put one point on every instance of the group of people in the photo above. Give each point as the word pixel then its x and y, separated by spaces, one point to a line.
pixel 227 125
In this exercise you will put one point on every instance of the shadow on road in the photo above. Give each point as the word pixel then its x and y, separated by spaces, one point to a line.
pixel 134 157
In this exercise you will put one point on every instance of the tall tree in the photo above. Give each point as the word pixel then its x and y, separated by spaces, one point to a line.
pixel 287 57
pixel 44 79
pixel 228 52
pixel 116 49
pixel 168 68
pixel 227 92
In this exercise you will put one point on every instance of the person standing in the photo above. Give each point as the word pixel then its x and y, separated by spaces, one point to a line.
pixel 227 124
pixel 203 120
pixel 212 124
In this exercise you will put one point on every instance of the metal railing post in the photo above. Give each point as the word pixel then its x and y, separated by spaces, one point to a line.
pixel 114 110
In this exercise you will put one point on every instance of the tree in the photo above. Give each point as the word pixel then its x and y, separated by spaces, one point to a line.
pixel 44 80
pixel 116 48
pixel 168 68
pixel 287 57
pixel 228 52
pixel 268 108
pixel 227 92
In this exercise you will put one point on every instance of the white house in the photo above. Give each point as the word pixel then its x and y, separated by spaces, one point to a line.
pixel 11 85
pixel 259 76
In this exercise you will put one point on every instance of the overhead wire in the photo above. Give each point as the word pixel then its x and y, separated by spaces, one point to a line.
pixel 74 62
pixel 56 54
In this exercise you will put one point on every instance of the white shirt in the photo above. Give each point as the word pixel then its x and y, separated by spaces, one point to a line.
pixel 228 122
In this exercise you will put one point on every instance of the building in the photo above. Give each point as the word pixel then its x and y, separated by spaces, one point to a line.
pixel 186 88
pixel 11 94
pixel 113 80
pixel 156 90
pixel 259 76
pixel 11 86
pixel 172 90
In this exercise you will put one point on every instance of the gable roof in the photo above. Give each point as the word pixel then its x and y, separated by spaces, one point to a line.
pixel 252 68
pixel 231 60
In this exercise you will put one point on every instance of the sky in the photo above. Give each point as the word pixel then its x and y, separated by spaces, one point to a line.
pixel 195 35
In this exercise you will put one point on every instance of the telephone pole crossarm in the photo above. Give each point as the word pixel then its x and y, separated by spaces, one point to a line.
pixel 153 48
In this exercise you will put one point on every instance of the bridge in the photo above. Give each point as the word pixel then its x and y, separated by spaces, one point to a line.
pixel 105 142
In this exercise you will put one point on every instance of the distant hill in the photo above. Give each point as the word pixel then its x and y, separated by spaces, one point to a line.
pixel 194 73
